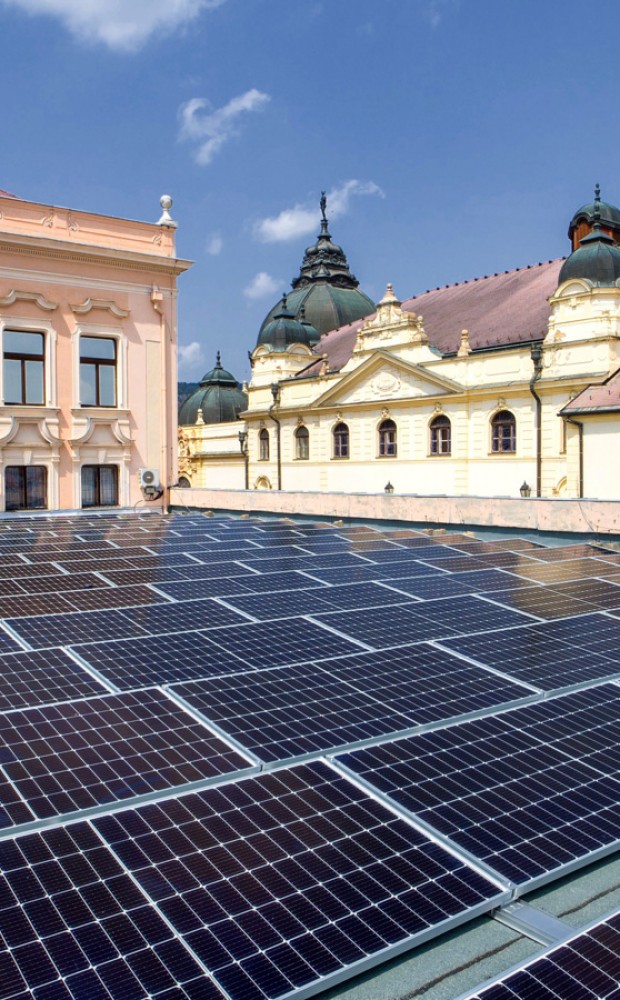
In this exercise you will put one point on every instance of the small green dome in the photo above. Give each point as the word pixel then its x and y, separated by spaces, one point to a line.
pixel 609 215
pixel 325 293
pixel 218 398
pixel 284 329
pixel 597 258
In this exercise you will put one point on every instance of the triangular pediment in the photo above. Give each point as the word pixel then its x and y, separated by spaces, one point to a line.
pixel 384 376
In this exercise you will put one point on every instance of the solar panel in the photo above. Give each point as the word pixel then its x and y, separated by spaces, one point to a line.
pixel 162 659
pixel 274 644
pixel 113 597
pixel 368 573
pixel 181 617
pixel 190 590
pixel 529 792
pixel 560 572
pixel 83 753
pixel 34 678
pixel 536 656
pixel 288 880
pixel 586 967
pixel 73 924
pixel 543 602
pixel 44 631
pixel 292 711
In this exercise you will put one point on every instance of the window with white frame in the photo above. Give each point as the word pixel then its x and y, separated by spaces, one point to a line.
pixel 23 367
pixel 25 487
pixel 98 371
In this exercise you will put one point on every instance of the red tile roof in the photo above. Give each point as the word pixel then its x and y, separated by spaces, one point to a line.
pixel 597 398
pixel 496 310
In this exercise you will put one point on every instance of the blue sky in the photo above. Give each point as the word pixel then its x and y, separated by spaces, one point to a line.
pixel 455 138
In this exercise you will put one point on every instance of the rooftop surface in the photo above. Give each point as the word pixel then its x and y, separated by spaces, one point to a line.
pixel 250 758
pixel 497 310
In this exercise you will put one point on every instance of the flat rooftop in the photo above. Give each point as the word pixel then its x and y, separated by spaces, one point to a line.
pixel 252 758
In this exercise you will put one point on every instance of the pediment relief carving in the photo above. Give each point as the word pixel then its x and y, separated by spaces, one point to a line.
pixel 391 322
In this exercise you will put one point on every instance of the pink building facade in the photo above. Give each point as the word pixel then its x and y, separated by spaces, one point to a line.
pixel 88 380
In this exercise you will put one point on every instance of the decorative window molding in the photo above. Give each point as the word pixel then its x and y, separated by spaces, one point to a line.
pixel 82 308
pixel 19 296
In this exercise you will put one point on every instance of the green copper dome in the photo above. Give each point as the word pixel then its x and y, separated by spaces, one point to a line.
pixel 597 257
pixel 325 293
pixel 609 214
pixel 285 329
pixel 218 398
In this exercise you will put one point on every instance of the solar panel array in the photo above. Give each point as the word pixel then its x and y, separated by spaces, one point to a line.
pixel 249 758
pixel 585 968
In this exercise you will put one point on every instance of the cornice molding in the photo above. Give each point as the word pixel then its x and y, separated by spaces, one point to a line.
pixel 118 259
pixel 20 296
pixel 82 308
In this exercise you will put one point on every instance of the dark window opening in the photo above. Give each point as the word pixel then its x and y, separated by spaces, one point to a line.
pixel 503 432
pixel 341 441
pixel 387 439
pixel 25 487
pixel 263 445
pixel 99 486
pixel 302 443
pixel 441 436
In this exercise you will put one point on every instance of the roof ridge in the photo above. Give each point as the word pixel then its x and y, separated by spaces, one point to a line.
pixel 486 277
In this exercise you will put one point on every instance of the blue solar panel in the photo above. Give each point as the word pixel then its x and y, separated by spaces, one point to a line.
pixel 79 754
pixel 528 792
pixel 586 967
pixel 74 925
pixel 287 880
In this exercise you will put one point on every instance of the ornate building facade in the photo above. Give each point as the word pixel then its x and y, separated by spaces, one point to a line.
pixel 88 381
pixel 490 387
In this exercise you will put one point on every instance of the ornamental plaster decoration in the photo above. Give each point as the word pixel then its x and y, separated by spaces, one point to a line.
pixel 391 322
pixel 300 421
pixel 501 403
pixel 16 295
pixel 438 408
pixel 464 347
pixel 49 220
pixel 8 429
pixel 108 305
pixel 385 413
pixel 72 225
pixel 184 449
pixel 385 383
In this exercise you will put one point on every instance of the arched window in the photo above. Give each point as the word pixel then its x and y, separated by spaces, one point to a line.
pixel 184 483
pixel 387 439
pixel 503 432
pixel 263 445
pixel 341 441
pixel 302 443
pixel 441 435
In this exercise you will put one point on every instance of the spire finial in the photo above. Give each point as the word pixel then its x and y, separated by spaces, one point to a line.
pixel 597 207
pixel 597 192
pixel 323 204
pixel 218 360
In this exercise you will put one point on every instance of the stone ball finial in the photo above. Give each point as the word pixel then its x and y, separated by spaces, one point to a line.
pixel 166 219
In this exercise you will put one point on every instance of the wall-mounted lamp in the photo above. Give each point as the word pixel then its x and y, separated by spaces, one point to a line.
pixel 275 392
pixel 243 441
pixel 525 490
pixel 389 488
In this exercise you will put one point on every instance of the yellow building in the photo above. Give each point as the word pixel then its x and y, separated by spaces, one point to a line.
pixel 489 387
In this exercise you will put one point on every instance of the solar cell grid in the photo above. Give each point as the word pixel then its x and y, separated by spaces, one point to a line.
pixel 142 662
pixel 368 572
pixel 428 587
pixel 113 597
pixel 527 792
pixel 543 602
pixel 33 678
pixel 73 924
pixel 75 755
pixel 314 878
pixel 289 711
pixel 182 617
pixel 560 572
pixel 585 967
pixel 45 631
pixel 190 590
pixel 273 644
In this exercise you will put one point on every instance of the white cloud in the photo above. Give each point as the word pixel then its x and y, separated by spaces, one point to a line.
pixel 214 244
pixel 213 129
pixel 434 11
pixel 191 362
pixel 304 219
pixel 262 285
pixel 124 25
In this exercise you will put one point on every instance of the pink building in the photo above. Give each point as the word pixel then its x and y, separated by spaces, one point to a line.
pixel 88 381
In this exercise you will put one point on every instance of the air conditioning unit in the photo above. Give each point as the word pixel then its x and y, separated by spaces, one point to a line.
pixel 149 479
